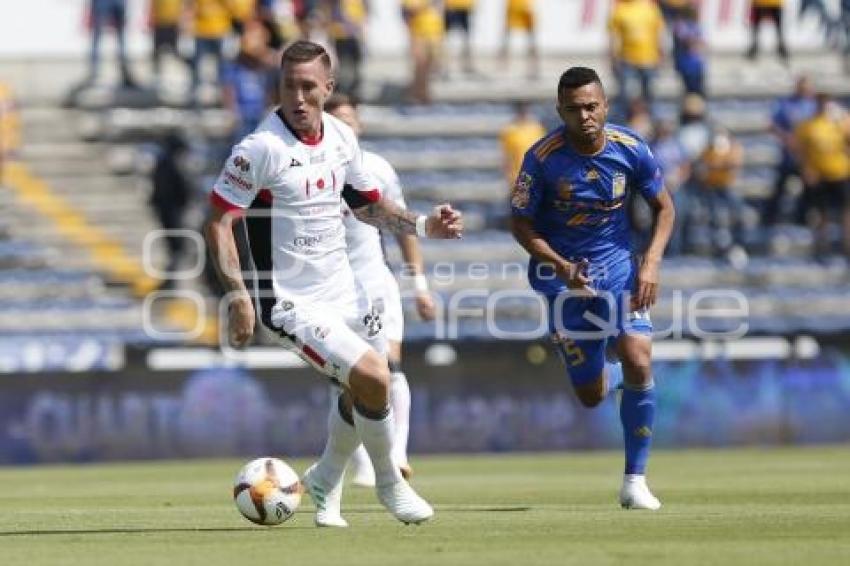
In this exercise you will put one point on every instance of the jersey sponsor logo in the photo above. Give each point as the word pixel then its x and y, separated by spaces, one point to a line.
pixel 521 192
pixel 618 185
pixel 238 181
pixel 591 174
pixel 241 163
pixel 295 163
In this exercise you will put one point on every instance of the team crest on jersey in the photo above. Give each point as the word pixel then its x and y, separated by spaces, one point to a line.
pixel 520 194
pixel 618 185
pixel 241 163
pixel 565 189
pixel 321 332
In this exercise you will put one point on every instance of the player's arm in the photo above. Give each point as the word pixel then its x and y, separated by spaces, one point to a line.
pixel 218 233
pixel 646 290
pixel 412 255
pixel 574 274
pixel 444 222
pixel 234 190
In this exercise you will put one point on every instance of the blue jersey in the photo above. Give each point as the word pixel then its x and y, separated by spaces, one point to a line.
pixel 577 202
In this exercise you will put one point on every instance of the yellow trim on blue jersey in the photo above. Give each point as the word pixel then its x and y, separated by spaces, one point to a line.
pixel 617 136
pixel 545 143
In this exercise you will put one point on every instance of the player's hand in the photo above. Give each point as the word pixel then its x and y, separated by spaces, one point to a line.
pixel 425 306
pixel 646 288
pixel 575 276
pixel 241 321
pixel 445 223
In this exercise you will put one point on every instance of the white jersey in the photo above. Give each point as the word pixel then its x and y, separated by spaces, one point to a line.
pixel 305 182
pixel 365 252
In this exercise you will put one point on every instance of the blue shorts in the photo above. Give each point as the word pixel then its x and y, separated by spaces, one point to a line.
pixel 582 327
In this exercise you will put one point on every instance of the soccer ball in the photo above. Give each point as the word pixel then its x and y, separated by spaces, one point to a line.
pixel 267 491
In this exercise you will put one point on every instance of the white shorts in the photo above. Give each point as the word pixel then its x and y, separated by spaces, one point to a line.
pixel 330 338
pixel 385 296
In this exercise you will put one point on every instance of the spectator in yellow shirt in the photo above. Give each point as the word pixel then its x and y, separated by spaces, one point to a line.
pixel 212 23
pixel 636 32
pixel 425 25
pixel 519 17
pixel 716 172
pixel 348 32
pixel 516 137
pixel 165 17
pixel 457 16
pixel 822 146
pixel 761 10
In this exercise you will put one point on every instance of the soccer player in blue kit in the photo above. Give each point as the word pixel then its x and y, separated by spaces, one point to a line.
pixel 568 212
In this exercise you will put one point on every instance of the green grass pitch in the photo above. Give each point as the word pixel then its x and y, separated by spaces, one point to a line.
pixel 726 507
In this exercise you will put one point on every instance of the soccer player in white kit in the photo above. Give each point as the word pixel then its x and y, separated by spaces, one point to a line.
pixel 366 255
pixel 305 162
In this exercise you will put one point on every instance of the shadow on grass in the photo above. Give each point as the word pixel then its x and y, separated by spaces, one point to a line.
pixel 247 528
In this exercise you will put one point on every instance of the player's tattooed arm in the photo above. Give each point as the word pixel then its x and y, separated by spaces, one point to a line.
pixel 225 257
pixel 387 215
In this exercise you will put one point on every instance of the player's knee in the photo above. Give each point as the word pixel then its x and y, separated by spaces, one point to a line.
pixel 592 394
pixel 370 381
pixel 637 370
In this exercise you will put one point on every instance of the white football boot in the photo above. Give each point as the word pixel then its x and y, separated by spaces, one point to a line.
pixel 635 494
pixel 404 503
pixel 326 499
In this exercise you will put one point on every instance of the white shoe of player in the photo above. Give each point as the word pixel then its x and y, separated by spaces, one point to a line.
pixel 635 494
pixel 327 500
pixel 404 503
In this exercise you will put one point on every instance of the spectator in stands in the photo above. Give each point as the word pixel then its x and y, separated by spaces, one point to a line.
pixel 165 16
pixel 241 12
pixel 844 29
pixel 516 137
pixel 170 197
pixel 308 17
pixel 636 33
pixel 519 17
pixel 348 30
pixel 425 25
pixel 103 14
pixel 689 49
pixel 211 24
pixel 676 166
pixel 694 130
pixel 639 118
pixel 672 9
pixel 761 10
pixel 267 13
pixel 822 146
pixel 787 113
pixel 250 80
pixel 716 172
pixel 458 16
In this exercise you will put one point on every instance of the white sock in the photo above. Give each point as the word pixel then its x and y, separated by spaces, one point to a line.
pixel 360 461
pixel 342 442
pixel 400 400
pixel 377 437
pixel 634 478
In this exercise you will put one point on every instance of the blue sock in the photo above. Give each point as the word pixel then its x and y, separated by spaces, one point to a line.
pixel 637 414
pixel 615 375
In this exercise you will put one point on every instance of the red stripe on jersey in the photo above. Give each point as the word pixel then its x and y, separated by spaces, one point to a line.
pixel 265 195
pixel 372 195
pixel 313 355
pixel 223 204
